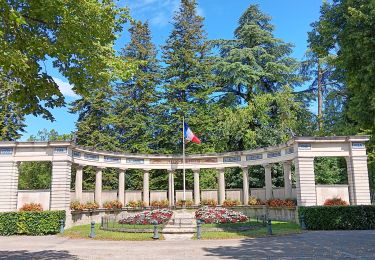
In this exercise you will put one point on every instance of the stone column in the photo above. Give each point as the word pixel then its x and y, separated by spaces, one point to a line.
pixel 98 186
pixel 197 196
pixel 170 188
pixel 121 186
pixel 305 181
pixel 78 184
pixel 268 180
pixel 221 178
pixel 146 187
pixel 245 181
pixel 8 185
pixel 60 186
pixel 173 191
pixel 358 180
pixel 287 167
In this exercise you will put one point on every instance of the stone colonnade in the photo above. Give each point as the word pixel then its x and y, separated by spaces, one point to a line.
pixel 196 188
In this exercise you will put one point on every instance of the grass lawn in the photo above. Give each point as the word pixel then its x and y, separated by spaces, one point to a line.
pixel 83 231
pixel 113 224
pixel 278 228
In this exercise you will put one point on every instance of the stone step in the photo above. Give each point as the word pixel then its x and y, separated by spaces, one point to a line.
pixel 179 230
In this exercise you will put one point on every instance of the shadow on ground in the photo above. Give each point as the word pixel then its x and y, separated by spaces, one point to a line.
pixel 44 255
pixel 310 245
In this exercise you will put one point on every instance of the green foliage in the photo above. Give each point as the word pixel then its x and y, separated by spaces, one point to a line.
pixel 34 175
pixel 330 170
pixel 77 36
pixel 31 223
pixel 338 217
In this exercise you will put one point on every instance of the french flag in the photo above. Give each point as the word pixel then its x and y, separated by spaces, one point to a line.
pixel 189 135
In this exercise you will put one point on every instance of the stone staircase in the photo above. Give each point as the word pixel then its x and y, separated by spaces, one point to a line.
pixel 182 226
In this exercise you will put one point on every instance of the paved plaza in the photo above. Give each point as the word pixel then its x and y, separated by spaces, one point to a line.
pixel 309 245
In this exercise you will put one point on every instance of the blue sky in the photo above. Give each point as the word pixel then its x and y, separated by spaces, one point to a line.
pixel 292 19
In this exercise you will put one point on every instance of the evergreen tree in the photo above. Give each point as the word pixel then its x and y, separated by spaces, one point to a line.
pixel 256 75
pixel 187 81
pixel 135 101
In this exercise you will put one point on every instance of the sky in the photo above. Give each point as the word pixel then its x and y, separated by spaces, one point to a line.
pixel 292 19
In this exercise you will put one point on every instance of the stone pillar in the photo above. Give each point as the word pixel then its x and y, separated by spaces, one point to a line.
pixel 78 184
pixel 60 186
pixel 171 188
pixel 8 186
pixel 358 180
pixel 245 181
pixel 121 186
pixel 221 178
pixel 197 196
pixel 287 167
pixel 305 181
pixel 268 180
pixel 98 186
pixel 146 187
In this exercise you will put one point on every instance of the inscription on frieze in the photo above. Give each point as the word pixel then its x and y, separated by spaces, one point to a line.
pixel 179 161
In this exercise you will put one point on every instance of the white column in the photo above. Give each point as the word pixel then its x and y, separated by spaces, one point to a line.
pixel 221 178
pixel 173 191
pixel 170 188
pixel 245 180
pixel 358 180
pixel 197 196
pixel 268 180
pixel 78 184
pixel 60 186
pixel 146 187
pixel 305 181
pixel 8 186
pixel 98 186
pixel 121 186
pixel 287 167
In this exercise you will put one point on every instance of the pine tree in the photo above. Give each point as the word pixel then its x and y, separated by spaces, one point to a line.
pixel 135 100
pixel 187 80
pixel 255 61
pixel 257 76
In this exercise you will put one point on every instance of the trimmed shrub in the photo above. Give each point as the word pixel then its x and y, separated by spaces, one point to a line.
pixel 136 204
pixel 209 202
pixel 188 203
pixel 76 205
pixel 338 217
pixel 31 207
pixel 231 203
pixel 91 205
pixel 255 201
pixel 335 202
pixel 32 223
pixel 281 203
pixel 114 204
pixel 159 203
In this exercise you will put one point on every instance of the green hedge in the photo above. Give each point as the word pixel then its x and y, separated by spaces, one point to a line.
pixel 32 223
pixel 338 217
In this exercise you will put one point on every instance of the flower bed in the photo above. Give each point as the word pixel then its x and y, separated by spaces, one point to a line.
pixel 219 215
pixel 148 217
pixel 281 203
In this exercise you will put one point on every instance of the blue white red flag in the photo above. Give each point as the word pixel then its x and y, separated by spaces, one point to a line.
pixel 189 135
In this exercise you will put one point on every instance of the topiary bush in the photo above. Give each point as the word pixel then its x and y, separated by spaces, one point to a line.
pixel 114 204
pixel 32 223
pixel 338 217
pixel 335 202
pixel 231 203
pixel 31 207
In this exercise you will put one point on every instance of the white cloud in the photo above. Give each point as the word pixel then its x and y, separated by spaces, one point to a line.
pixel 65 88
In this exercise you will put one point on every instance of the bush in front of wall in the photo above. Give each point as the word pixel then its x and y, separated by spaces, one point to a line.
pixel 33 223
pixel 335 202
pixel 209 202
pixel 188 203
pixel 231 203
pixel 338 217
pixel 114 204
pixel 31 207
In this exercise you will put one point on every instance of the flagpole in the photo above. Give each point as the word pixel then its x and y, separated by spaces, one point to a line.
pixel 183 157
